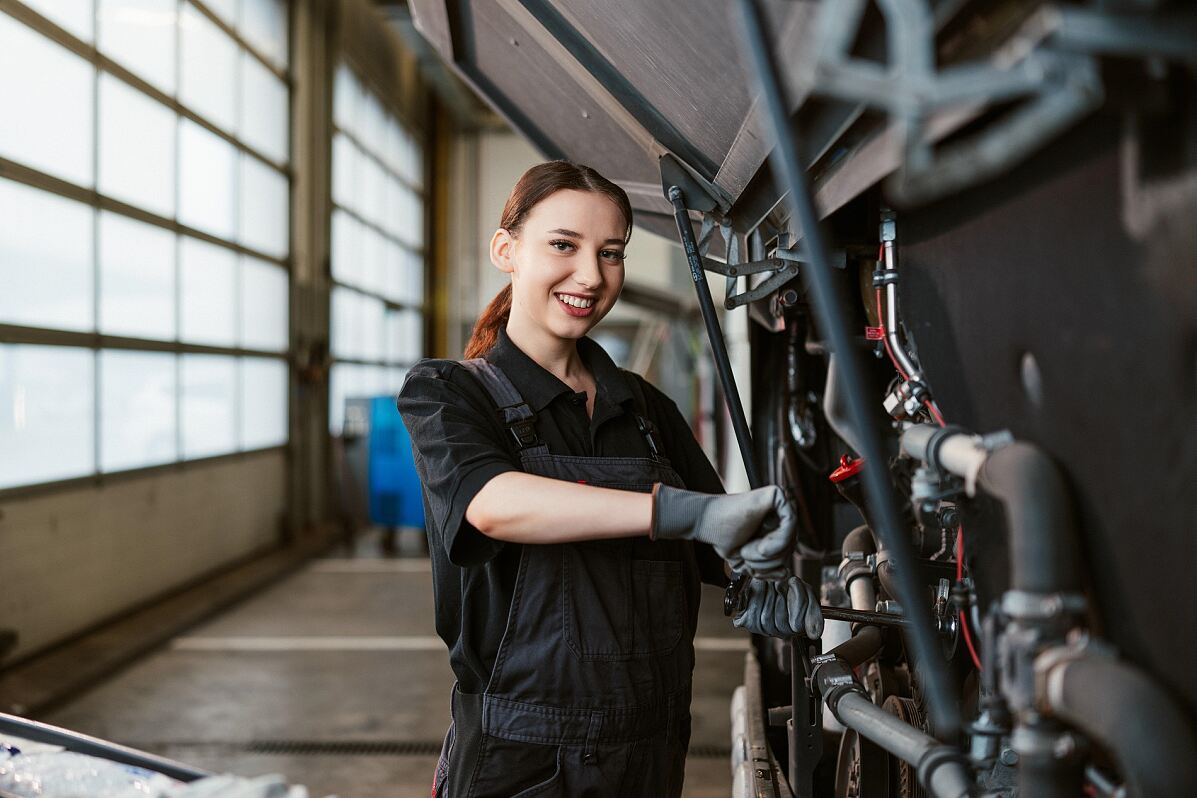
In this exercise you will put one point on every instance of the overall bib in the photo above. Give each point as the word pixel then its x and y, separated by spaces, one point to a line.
pixel 597 656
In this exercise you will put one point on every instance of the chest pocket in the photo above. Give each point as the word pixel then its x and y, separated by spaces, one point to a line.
pixel 616 607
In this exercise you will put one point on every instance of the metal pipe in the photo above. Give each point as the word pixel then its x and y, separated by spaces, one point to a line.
pixel 855 569
pixel 948 449
pixel 940 770
pixel 715 335
pixel 837 331
pixel 891 322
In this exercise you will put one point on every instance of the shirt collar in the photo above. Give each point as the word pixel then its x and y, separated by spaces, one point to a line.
pixel 539 387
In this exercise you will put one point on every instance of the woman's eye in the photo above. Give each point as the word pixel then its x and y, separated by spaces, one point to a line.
pixel 562 246
pixel 613 254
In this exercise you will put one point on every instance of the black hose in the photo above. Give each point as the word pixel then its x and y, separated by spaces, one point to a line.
pixel 1044 550
pixel 861 647
pixel 835 328
pixel 1136 720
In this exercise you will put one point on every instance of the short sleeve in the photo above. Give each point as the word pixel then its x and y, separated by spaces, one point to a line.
pixel 458 448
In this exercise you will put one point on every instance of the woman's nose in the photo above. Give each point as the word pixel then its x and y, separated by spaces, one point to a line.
pixel 588 273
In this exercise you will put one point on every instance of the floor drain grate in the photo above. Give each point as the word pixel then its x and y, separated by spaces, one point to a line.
pixel 346 747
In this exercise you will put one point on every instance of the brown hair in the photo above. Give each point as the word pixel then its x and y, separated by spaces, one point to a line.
pixel 533 186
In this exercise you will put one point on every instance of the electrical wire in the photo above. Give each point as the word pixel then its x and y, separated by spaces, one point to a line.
pixel 968 635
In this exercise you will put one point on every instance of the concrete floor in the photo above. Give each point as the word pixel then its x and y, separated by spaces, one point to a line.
pixel 335 679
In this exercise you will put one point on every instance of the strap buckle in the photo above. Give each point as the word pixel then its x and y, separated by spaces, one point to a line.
pixel 524 432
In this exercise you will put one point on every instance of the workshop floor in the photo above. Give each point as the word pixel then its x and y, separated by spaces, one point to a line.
pixel 335 678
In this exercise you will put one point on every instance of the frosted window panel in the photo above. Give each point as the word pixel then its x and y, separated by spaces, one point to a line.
pixel 48 90
pixel 413 269
pixel 263 109
pixel 264 25
pixel 392 144
pixel 411 168
pixel 263 306
pixel 373 261
pixel 374 381
pixel 140 35
pixel 263 418
pixel 137 279
pixel 412 337
pixel 373 187
pixel 137 148
pixel 411 220
pixel 265 210
pixel 207 175
pixel 137 409
pixel 45 259
pixel 47 425
pixel 394 272
pixel 346 99
pixel 394 337
pixel 373 133
pixel 346 248
pixel 208 403
pixel 347 324
pixel 208 64
pixel 344 172
pixel 374 315
pixel 208 294
pixel 74 16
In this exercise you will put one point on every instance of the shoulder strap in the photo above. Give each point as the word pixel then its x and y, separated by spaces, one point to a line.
pixel 517 416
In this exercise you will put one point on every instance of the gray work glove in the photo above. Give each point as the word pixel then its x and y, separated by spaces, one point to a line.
pixel 781 609
pixel 753 531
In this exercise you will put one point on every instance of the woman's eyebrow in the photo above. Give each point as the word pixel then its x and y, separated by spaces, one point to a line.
pixel 565 232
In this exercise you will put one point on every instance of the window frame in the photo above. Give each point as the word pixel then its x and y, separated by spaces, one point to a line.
pixel 98 202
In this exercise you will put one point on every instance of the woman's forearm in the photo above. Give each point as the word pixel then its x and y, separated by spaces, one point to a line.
pixel 524 508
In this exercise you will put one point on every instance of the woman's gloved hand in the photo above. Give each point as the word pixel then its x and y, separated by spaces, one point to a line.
pixel 781 609
pixel 753 531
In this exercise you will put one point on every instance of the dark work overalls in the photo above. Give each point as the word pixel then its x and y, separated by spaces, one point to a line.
pixel 597 656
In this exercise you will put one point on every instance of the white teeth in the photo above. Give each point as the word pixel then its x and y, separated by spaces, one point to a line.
pixel 577 302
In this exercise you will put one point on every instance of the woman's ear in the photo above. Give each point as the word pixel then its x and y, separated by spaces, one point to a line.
pixel 502 244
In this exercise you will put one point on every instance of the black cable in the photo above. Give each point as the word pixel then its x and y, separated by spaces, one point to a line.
pixel 835 328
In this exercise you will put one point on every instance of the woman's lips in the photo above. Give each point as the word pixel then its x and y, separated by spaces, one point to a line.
pixel 576 312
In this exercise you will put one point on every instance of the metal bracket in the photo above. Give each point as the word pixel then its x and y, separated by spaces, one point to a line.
pixel 1050 65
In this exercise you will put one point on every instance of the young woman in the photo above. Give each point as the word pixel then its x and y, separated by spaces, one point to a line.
pixel 571 515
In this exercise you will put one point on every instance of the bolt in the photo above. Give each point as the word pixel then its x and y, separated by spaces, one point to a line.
pixel 1008 757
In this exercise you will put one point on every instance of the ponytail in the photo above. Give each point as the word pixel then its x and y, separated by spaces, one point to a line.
pixel 486 329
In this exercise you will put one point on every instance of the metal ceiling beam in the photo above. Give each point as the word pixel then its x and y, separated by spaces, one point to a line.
pixel 618 87
pixel 461 35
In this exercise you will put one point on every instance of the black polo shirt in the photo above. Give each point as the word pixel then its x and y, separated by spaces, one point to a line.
pixel 460 445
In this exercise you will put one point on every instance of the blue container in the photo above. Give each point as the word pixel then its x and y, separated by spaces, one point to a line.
pixel 395 498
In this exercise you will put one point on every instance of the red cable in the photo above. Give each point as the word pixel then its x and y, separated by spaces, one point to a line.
pixel 933 409
pixel 968 636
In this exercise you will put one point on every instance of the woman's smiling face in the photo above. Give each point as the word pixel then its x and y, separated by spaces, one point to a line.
pixel 566 264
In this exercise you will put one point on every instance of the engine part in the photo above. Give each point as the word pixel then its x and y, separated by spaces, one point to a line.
pixel 1127 713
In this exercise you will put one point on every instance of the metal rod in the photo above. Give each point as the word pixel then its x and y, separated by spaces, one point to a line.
pixel 836 329
pixel 715 335
pixel 863 616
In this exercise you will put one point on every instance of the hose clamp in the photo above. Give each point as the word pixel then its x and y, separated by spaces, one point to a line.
pixel 1051 664
pixel 1023 605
